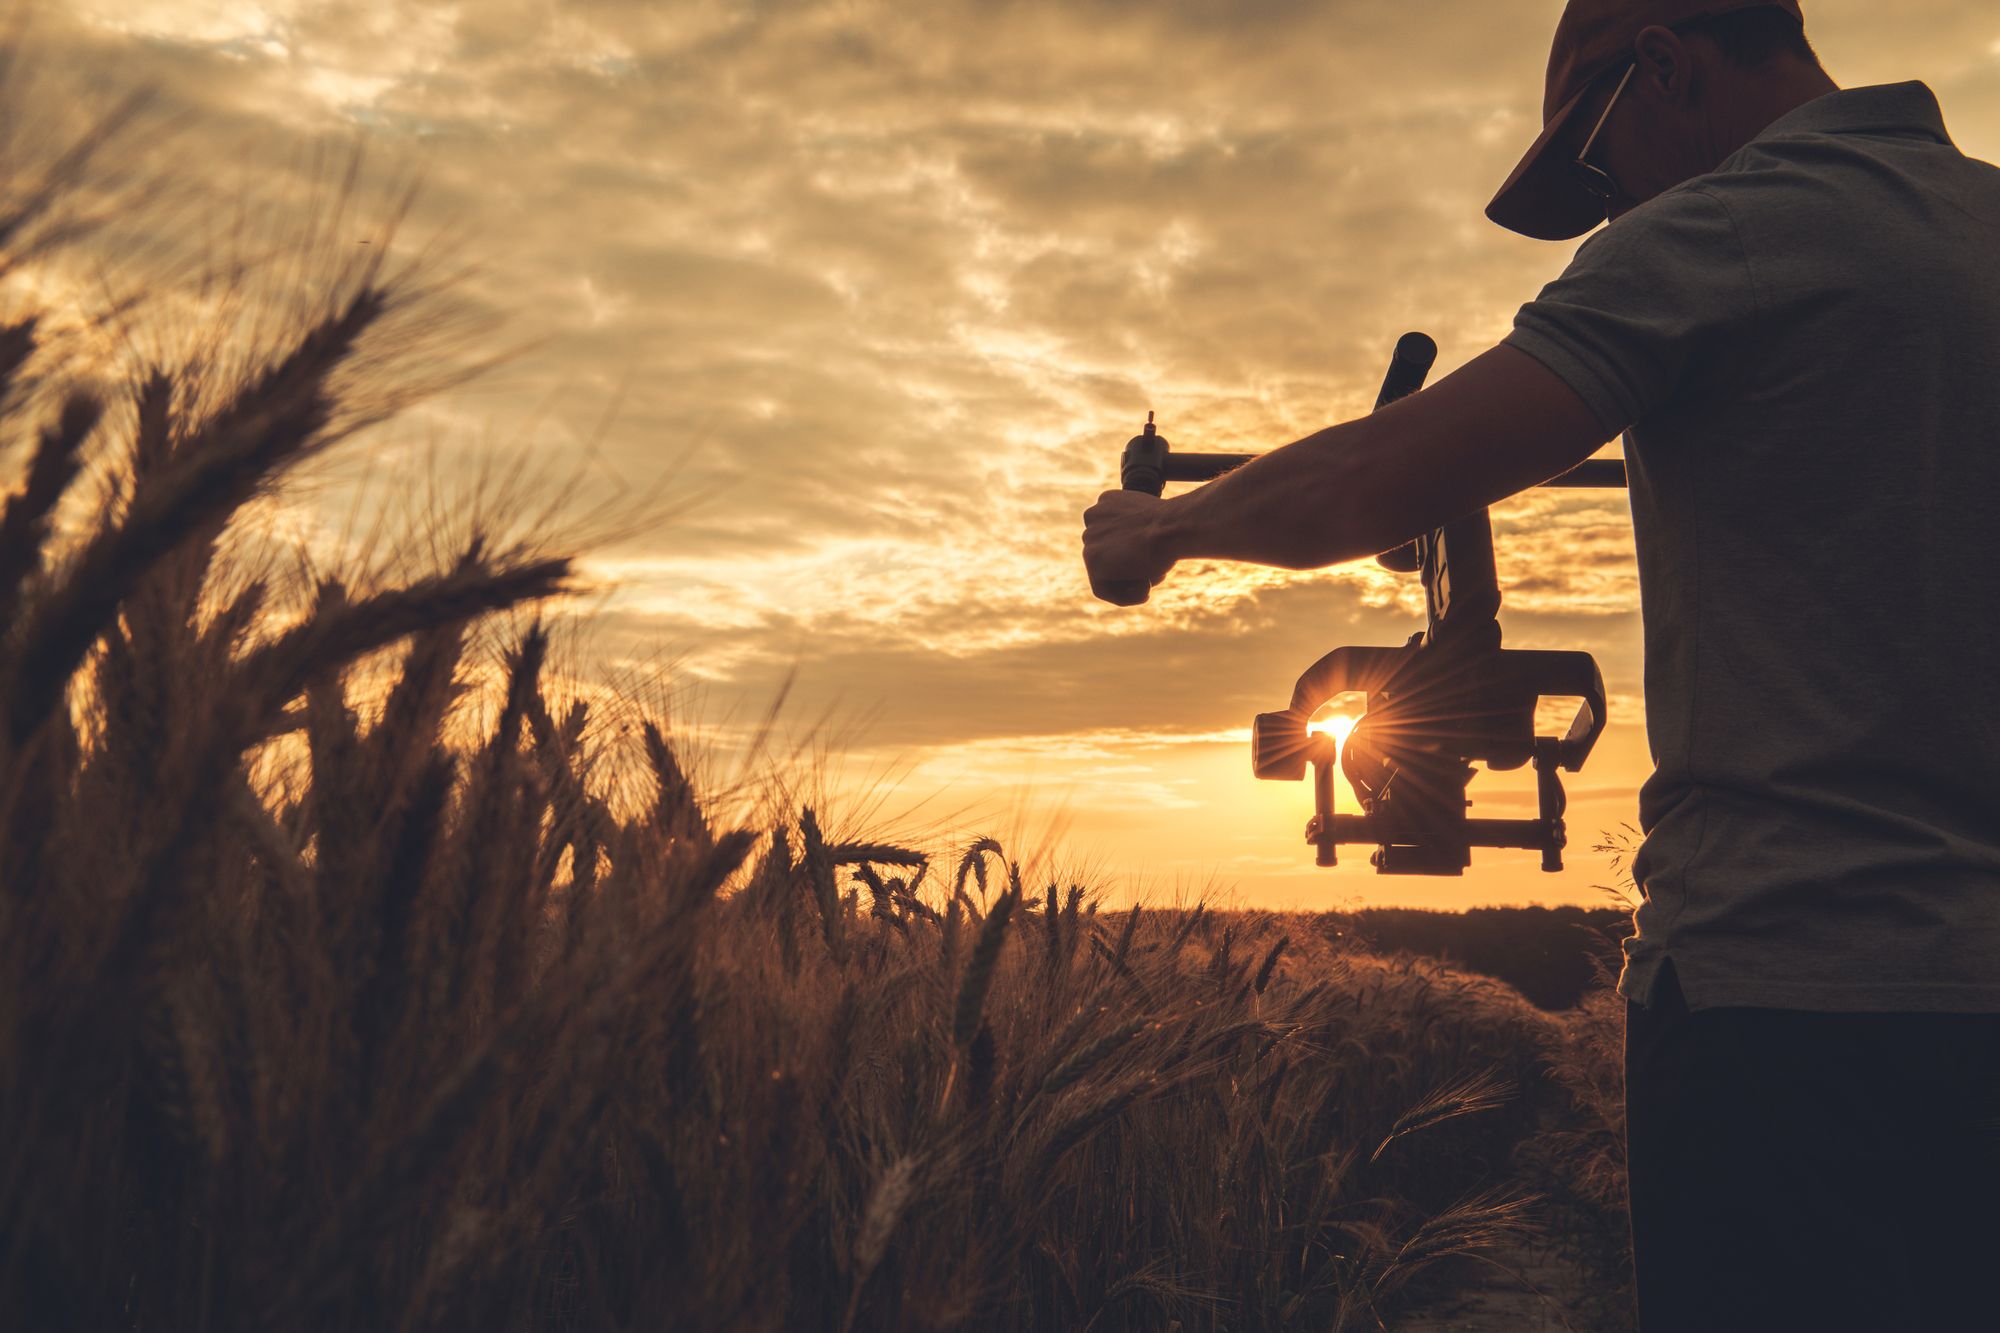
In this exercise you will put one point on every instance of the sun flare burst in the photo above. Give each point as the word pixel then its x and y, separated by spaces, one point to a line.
pixel 1337 725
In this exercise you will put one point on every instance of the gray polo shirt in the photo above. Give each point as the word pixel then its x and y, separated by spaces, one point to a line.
pixel 1803 350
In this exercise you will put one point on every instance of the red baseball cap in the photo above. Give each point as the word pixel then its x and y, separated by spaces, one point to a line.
pixel 1543 198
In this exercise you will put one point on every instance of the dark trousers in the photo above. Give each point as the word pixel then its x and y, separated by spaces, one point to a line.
pixel 1791 1169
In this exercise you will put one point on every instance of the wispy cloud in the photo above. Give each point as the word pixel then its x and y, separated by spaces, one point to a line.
pixel 886 286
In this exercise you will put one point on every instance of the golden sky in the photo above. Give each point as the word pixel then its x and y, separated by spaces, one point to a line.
pixel 874 292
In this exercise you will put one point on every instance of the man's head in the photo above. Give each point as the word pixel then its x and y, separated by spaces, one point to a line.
pixel 1657 91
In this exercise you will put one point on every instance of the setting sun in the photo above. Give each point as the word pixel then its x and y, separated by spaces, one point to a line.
pixel 1337 725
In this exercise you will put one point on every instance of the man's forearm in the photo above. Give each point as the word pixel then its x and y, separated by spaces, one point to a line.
pixel 1317 501
pixel 1497 424
pixel 1493 427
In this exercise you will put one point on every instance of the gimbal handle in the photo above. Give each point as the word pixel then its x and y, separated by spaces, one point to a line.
pixel 1143 468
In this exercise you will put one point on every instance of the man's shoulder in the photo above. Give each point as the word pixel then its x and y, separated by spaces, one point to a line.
pixel 1817 191
pixel 1690 220
pixel 1884 142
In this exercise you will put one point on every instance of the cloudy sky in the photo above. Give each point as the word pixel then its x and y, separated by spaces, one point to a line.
pixel 862 298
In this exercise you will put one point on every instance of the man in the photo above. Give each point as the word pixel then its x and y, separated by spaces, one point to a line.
pixel 1794 319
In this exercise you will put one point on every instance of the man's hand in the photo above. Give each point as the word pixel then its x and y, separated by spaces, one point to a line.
pixel 1124 542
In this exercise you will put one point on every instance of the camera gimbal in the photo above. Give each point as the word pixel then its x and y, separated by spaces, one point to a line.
pixel 1449 696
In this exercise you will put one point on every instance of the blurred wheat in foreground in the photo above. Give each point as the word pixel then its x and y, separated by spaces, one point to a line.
pixel 433 1035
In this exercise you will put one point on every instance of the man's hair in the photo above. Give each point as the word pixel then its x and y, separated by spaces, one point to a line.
pixel 1753 38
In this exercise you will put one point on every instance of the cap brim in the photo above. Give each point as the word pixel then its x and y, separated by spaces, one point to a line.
pixel 1543 198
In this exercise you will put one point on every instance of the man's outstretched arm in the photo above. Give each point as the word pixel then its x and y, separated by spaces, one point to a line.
pixel 1499 424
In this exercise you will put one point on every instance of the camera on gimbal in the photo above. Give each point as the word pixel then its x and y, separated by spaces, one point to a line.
pixel 1448 698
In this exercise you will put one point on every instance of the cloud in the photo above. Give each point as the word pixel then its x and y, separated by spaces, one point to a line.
pixel 879 290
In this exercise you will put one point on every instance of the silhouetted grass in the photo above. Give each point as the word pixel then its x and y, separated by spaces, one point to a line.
pixel 434 1034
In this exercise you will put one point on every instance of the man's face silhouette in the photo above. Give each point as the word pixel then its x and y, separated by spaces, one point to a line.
pixel 1669 123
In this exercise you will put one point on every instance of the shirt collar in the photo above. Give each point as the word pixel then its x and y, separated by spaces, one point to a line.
pixel 1881 108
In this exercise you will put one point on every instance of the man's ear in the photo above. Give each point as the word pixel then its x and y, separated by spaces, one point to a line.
pixel 1666 65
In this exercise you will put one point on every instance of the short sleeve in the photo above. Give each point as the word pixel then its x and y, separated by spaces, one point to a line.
pixel 1642 307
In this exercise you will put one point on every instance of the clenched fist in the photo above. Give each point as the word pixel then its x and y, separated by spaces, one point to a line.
pixel 1124 546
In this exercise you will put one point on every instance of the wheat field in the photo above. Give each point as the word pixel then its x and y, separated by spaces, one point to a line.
pixel 344 984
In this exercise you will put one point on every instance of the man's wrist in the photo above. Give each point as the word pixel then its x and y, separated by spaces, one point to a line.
pixel 1176 524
